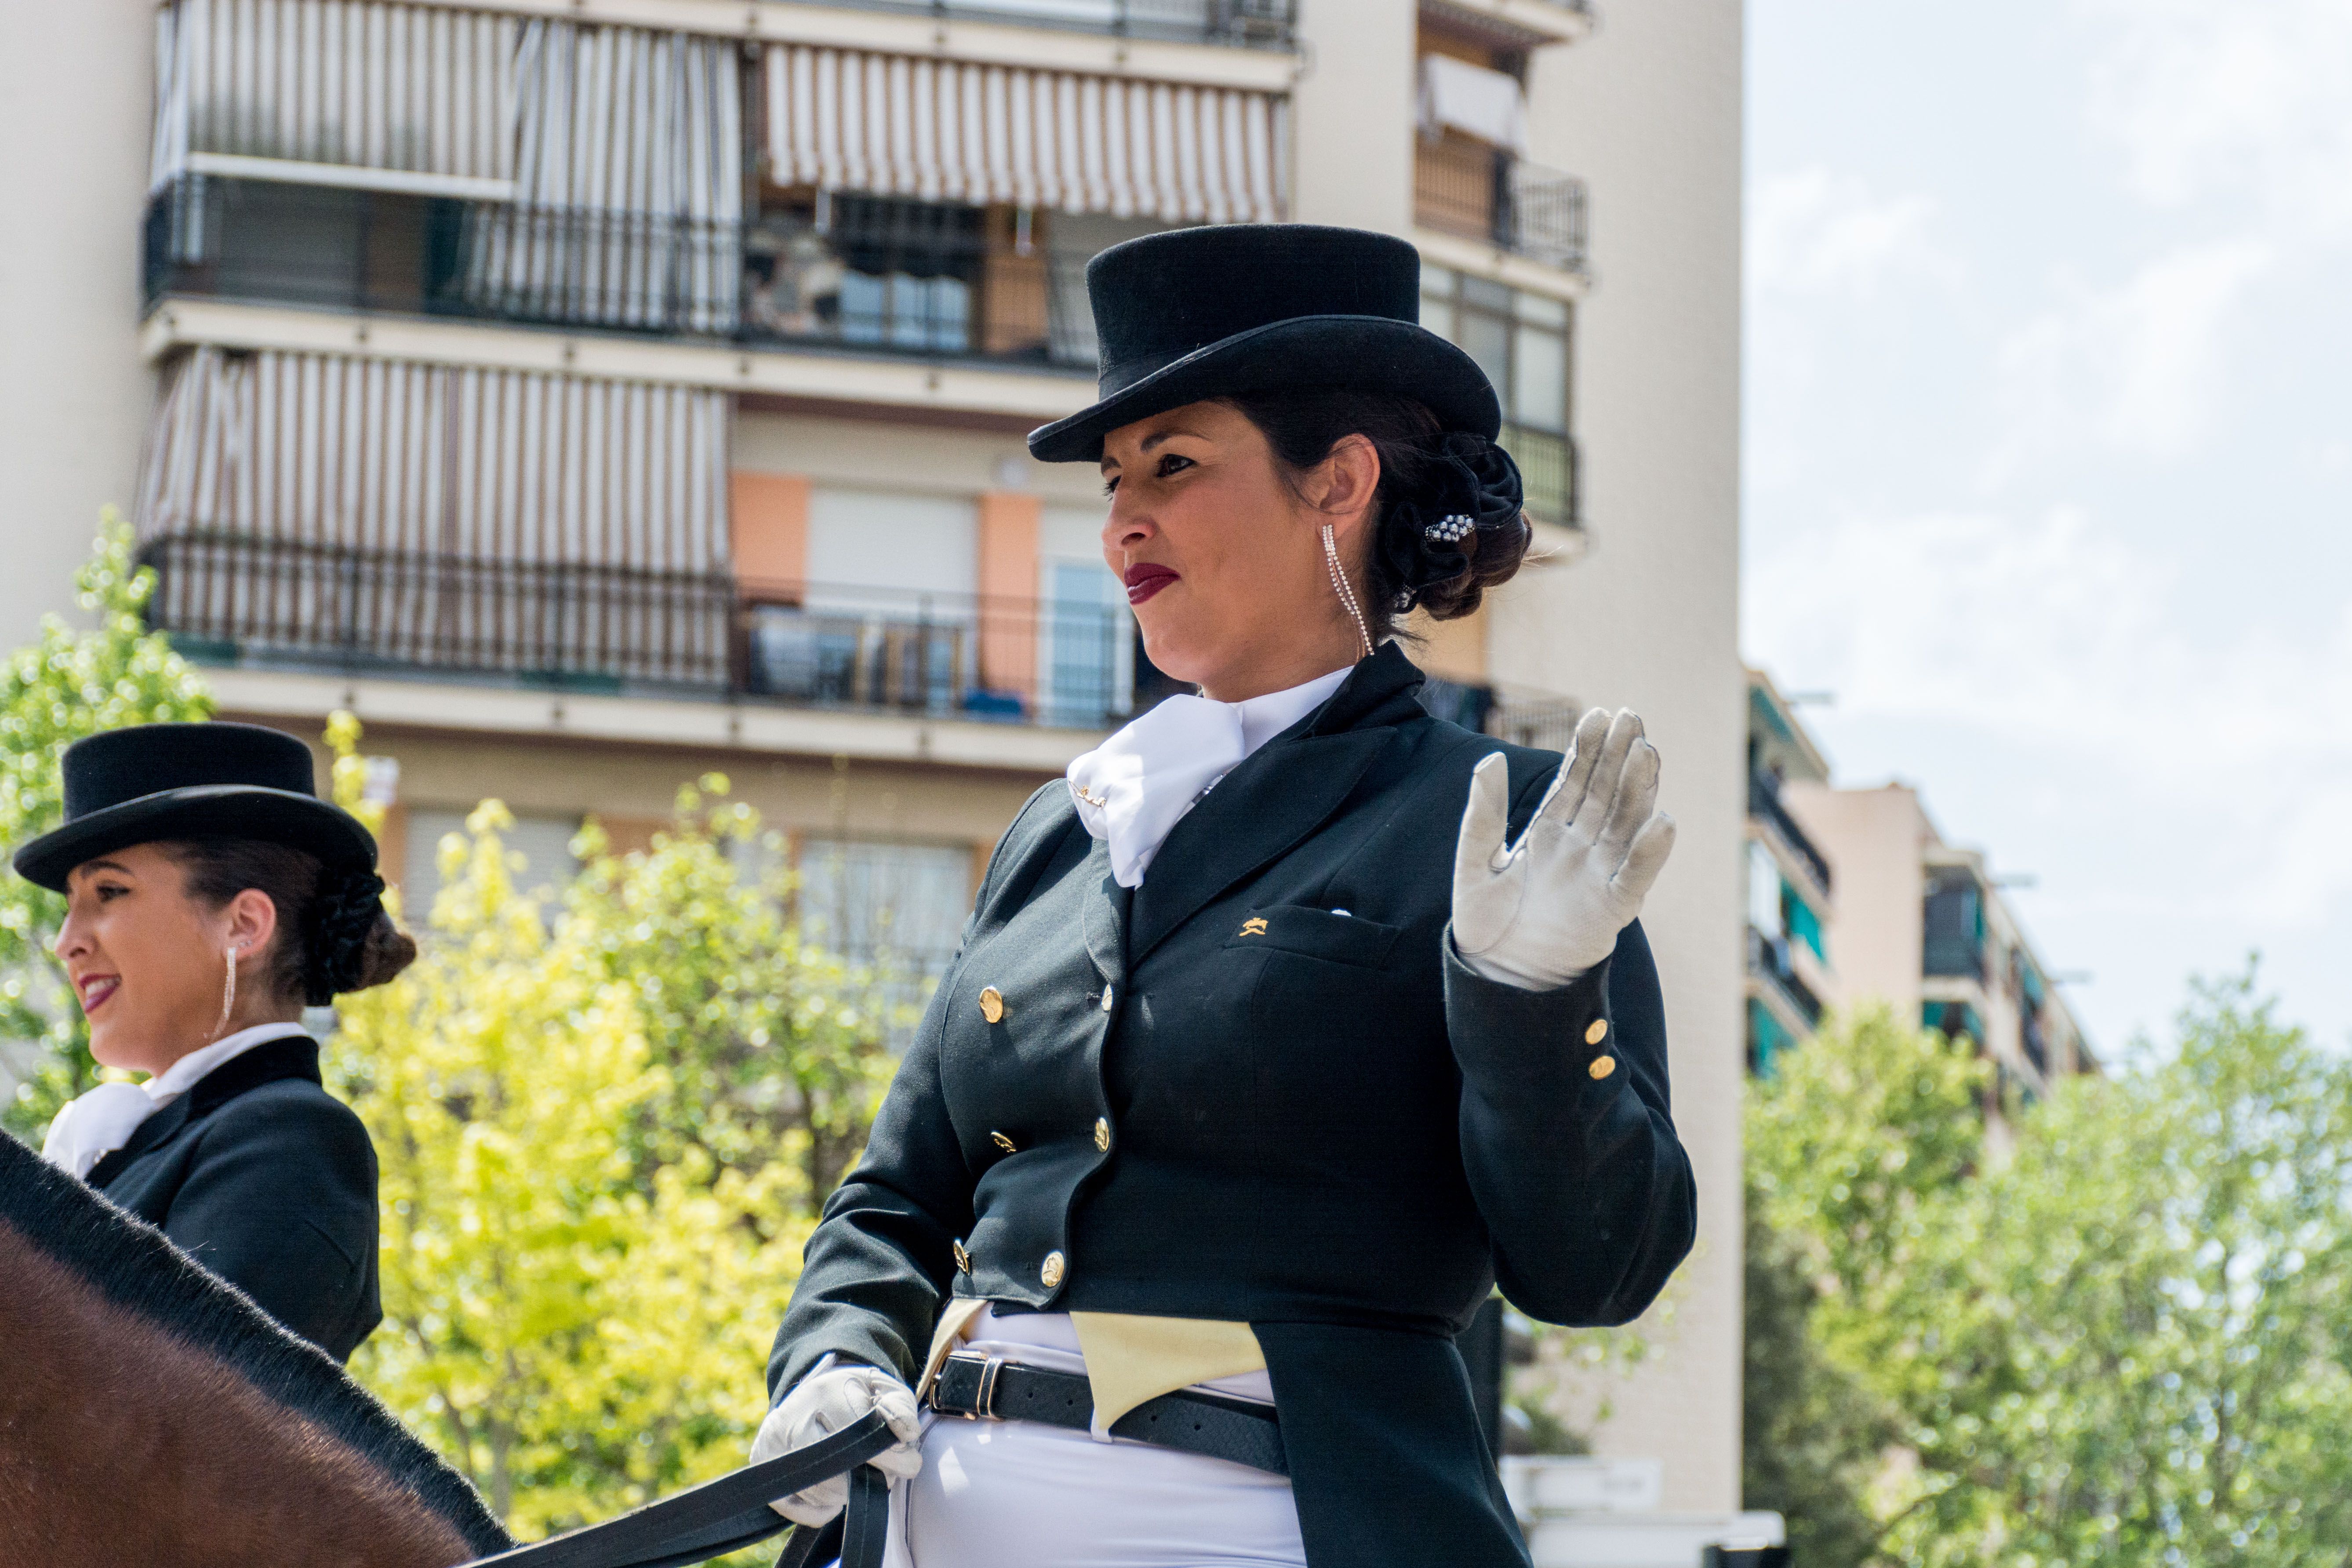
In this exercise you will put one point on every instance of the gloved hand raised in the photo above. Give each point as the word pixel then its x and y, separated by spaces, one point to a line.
pixel 823 1403
pixel 1541 912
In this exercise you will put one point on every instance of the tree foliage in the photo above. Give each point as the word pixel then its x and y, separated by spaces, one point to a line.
pixel 2124 1344
pixel 596 1125
pixel 71 681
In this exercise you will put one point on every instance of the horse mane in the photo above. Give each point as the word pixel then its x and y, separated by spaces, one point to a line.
pixel 132 1266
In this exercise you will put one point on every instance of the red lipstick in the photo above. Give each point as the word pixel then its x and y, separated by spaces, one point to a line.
pixel 1146 578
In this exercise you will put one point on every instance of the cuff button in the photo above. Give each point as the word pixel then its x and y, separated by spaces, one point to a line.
pixel 963 1260
pixel 1052 1272
pixel 1597 1032
pixel 1602 1067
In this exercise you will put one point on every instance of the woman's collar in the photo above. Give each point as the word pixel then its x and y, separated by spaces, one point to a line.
pixel 183 1075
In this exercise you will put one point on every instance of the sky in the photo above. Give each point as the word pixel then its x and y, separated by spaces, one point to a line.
pixel 2049 459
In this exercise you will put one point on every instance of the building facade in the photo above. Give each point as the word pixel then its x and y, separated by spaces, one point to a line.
pixel 1855 899
pixel 591 395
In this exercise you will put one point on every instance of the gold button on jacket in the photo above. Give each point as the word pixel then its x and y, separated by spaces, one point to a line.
pixel 1052 1273
pixel 1597 1032
pixel 1602 1067
pixel 991 1004
pixel 1102 1133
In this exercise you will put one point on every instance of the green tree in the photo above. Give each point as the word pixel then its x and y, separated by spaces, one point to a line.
pixel 71 682
pixel 2121 1343
pixel 772 1046
pixel 594 1127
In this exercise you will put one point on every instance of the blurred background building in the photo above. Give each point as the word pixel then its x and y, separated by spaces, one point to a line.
pixel 589 395
pixel 1854 897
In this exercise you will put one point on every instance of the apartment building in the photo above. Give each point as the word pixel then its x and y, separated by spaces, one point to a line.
pixel 591 395
pixel 1855 897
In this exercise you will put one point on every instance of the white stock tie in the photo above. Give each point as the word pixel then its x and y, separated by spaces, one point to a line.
pixel 1137 785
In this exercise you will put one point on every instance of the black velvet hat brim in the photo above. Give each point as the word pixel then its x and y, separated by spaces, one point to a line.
pixel 203 811
pixel 1365 354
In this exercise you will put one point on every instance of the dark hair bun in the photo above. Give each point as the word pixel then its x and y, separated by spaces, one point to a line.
pixel 350 943
pixel 1463 511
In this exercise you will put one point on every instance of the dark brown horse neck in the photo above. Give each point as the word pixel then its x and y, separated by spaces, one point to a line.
pixel 151 1414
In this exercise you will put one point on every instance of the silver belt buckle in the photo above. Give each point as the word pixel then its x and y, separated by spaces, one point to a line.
pixel 984 1401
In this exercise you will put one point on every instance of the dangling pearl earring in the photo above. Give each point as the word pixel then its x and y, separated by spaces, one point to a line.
pixel 228 995
pixel 1347 594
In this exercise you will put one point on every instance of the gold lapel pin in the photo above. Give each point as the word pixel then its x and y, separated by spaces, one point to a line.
pixel 1254 926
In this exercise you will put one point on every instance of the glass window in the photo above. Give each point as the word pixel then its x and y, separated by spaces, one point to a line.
pixel 1543 310
pixel 544 842
pixel 1539 378
pixel 1089 640
pixel 1523 342
pixel 1487 340
pixel 1486 294
pixel 898 909
pixel 1764 906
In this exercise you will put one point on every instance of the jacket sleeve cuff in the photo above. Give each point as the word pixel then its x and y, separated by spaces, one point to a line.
pixel 1505 1035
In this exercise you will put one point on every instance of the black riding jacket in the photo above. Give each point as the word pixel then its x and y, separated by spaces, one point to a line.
pixel 1261 1090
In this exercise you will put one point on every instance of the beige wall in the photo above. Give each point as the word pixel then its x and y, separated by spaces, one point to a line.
pixel 633 787
pixel 75 79
pixel 1353 121
pixel 1648 111
pixel 1874 840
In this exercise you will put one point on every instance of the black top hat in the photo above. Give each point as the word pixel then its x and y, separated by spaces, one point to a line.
pixel 1197 314
pixel 151 782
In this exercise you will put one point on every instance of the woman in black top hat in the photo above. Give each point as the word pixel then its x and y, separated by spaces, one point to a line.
pixel 1289 1025
pixel 210 896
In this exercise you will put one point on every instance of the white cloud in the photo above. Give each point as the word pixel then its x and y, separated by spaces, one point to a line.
pixel 2138 366
pixel 2239 99
pixel 1812 232
pixel 2057 645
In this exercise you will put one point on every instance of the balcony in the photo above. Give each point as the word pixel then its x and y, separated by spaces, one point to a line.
pixel 1255 24
pixel 1463 186
pixel 1769 961
pixel 1524 718
pixel 1953 939
pixel 238 600
pixel 863 274
pixel 1764 804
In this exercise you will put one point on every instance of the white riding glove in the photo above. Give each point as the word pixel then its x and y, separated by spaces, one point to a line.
pixel 823 1403
pixel 1541 912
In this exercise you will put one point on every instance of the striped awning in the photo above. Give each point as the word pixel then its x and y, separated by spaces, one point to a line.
pixel 437 99
pixel 483 465
pixel 334 86
pixel 846 119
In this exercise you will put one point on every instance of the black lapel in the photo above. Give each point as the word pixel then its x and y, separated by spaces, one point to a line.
pixel 1277 797
pixel 295 1056
pixel 1107 905
pixel 152 1133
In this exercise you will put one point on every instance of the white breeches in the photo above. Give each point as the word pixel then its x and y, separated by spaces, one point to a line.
pixel 1016 1494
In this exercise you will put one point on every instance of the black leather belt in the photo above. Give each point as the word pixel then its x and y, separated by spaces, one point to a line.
pixel 989 1388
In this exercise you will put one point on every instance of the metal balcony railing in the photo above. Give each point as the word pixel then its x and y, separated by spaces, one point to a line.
pixel 1524 718
pixel 1465 187
pixel 227 598
pixel 1768 959
pixel 1952 939
pixel 878 275
pixel 1550 470
pixel 1262 24
pixel 1764 804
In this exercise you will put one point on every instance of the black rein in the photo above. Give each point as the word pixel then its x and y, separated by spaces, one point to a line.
pixel 732 1512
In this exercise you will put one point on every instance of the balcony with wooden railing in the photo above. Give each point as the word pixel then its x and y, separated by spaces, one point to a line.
pixel 1464 187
